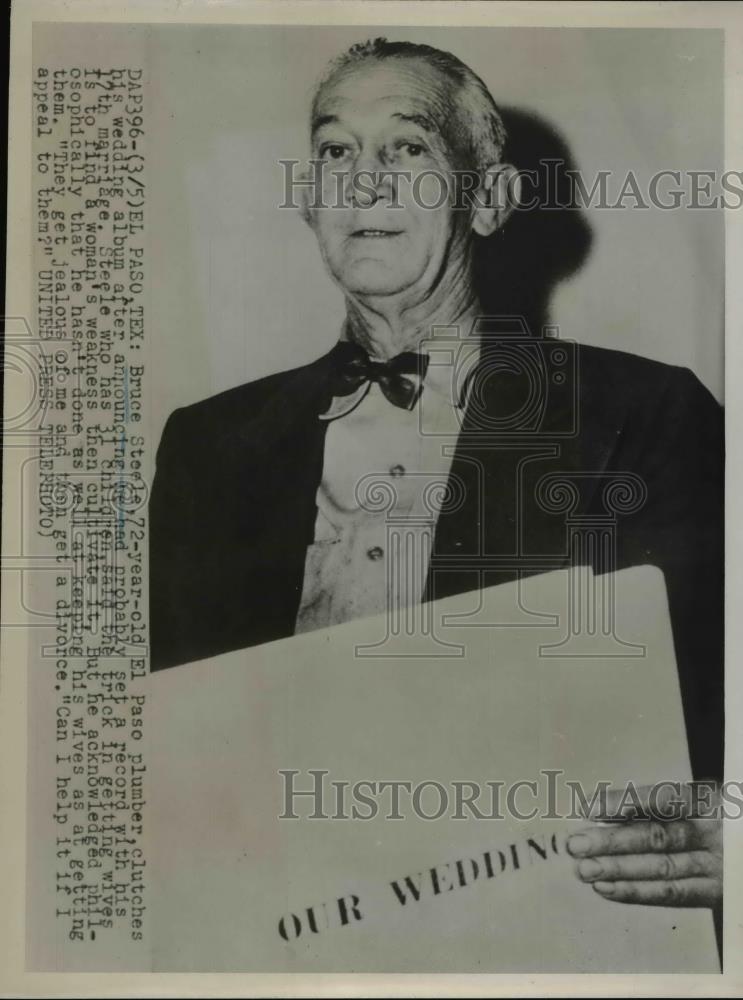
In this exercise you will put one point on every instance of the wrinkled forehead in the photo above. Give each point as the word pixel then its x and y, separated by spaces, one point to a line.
pixel 394 88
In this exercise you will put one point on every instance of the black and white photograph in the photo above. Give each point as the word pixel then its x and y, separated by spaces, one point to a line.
pixel 365 469
pixel 455 436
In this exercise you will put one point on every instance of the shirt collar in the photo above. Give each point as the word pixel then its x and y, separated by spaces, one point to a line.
pixel 448 376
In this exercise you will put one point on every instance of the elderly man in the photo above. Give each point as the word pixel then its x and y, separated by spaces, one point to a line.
pixel 266 517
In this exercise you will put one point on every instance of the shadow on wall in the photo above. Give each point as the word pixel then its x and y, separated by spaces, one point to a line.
pixel 518 267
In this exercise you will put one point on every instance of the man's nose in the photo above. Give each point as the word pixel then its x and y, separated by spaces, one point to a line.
pixel 371 179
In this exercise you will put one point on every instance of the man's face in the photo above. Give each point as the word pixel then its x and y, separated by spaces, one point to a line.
pixel 380 117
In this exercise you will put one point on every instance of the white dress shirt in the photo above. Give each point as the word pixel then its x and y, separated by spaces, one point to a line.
pixel 384 476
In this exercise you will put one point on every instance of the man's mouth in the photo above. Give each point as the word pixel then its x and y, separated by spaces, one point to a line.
pixel 375 233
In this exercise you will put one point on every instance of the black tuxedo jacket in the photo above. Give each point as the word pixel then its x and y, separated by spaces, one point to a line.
pixel 233 507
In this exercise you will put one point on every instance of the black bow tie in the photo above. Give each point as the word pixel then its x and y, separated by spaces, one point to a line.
pixel 352 366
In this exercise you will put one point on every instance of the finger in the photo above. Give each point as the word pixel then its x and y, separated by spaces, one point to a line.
pixel 679 892
pixel 664 800
pixel 635 838
pixel 649 867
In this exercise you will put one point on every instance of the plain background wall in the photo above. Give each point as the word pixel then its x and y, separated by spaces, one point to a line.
pixel 238 287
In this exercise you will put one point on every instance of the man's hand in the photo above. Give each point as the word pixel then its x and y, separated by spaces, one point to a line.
pixel 640 858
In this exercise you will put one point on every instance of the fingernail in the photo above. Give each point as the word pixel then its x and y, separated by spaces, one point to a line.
pixel 590 870
pixel 579 844
pixel 605 888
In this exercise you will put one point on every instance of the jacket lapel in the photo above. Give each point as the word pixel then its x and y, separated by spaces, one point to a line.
pixel 501 529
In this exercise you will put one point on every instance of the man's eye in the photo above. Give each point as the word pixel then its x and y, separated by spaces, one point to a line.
pixel 333 151
pixel 411 148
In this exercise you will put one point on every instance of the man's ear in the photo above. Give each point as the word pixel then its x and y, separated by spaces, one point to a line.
pixel 496 198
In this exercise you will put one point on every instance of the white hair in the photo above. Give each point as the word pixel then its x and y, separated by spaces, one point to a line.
pixel 475 127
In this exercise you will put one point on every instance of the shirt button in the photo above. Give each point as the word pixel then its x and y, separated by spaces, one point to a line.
pixel 375 553
pixel 397 471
